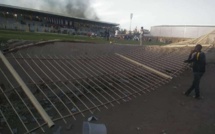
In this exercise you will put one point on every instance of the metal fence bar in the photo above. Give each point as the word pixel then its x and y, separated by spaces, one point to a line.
pixel 6 122
pixel 146 67
pixel 101 81
pixel 125 72
pixel 171 62
pixel 112 79
pixel 152 57
pixel 157 63
pixel 27 91
pixel 109 88
pixel 150 76
pixel 103 66
pixel 110 95
pixel 90 70
pixel 120 63
pixel 103 70
pixel 95 76
pixel 50 87
pixel 17 114
pixel 93 81
pixel 89 83
pixel 73 77
pixel 21 99
pixel 58 86
pixel 179 52
pixel 64 84
pixel 85 72
pixel 37 85
pixel 72 83
pixel 133 71
pixel 74 72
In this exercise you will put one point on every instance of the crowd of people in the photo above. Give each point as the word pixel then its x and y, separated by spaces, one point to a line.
pixel 53 25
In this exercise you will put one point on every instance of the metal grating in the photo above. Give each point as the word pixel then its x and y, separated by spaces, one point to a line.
pixel 70 79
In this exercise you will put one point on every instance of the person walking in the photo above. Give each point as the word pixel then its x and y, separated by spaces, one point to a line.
pixel 141 36
pixel 198 60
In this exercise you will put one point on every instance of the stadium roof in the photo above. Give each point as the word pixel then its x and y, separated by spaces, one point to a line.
pixel 4 7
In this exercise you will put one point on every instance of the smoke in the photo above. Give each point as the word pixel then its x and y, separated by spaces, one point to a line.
pixel 73 8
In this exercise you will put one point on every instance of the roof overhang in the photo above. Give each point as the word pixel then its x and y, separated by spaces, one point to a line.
pixel 23 10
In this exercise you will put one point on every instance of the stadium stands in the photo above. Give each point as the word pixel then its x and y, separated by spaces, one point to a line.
pixel 15 18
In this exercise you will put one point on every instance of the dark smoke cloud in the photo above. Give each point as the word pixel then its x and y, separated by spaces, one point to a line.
pixel 73 8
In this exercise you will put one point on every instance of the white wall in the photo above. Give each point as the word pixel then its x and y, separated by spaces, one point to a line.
pixel 181 31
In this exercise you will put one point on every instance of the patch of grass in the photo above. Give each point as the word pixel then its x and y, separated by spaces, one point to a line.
pixel 6 35
pixel 133 42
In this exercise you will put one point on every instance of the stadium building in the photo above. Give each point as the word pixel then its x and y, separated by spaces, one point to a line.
pixel 58 87
pixel 181 31
pixel 30 20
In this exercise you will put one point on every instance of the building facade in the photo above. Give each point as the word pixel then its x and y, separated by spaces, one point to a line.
pixel 30 20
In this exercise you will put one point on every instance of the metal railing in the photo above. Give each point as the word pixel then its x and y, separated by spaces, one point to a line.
pixel 92 77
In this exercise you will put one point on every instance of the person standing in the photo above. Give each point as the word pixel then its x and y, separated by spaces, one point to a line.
pixel 107 34
pixel 116 33
pixel 198 60
pixel 141 36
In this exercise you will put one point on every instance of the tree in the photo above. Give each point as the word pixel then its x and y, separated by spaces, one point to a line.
pixel 122 31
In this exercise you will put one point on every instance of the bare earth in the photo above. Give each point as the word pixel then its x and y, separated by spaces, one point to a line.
pixel 165 110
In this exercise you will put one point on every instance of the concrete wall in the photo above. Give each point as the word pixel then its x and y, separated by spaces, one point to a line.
pixel 181 31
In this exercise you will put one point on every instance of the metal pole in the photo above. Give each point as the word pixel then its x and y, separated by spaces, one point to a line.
pixel 27 91
pixel 144 66
pixel 131 16
pixel 130 26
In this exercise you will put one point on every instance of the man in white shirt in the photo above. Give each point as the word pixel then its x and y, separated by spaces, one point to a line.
pixel 141 35
pixel 116 33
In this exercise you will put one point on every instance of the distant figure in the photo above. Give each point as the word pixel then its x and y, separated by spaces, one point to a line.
pixel 116 33
pixel 107 34
pixel 198 59
pixel 141 35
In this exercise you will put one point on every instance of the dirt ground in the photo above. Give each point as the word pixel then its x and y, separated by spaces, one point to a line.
pixel 165 110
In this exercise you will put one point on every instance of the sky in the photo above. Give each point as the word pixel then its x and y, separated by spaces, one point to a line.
pixel 146 13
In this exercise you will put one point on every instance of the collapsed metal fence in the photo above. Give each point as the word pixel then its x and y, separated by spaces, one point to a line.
pixel 70 79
